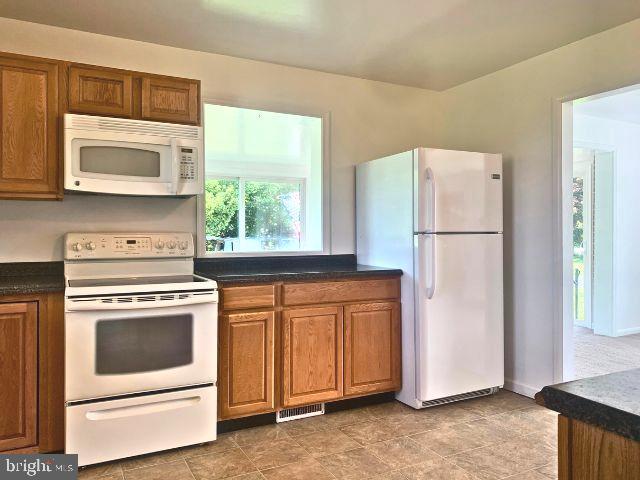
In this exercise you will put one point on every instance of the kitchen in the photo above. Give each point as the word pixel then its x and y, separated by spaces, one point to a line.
pixel 33 232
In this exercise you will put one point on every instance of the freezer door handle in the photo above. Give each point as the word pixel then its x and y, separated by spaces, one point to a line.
pixel 430 253
pixel 431 200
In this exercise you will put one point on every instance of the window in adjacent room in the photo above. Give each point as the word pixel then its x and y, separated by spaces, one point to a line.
pixel 263 181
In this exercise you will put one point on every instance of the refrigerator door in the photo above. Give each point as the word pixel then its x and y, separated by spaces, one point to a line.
pixel 457 191
pixel 459 297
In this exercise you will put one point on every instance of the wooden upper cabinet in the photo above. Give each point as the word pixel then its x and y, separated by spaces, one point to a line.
pixel 246 364
pixel 170 100
pixel 372 348
pixel 18 375
pixel 100 91
pixel 312 355
pixel 29 165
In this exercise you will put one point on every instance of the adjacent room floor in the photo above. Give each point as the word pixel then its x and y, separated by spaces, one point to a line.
pixel 599 354
pixel 502 436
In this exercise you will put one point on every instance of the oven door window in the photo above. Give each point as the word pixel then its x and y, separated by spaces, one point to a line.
pixel 145 344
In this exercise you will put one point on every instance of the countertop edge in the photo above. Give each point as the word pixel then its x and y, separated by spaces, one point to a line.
pixel 237 278
pixel 592 412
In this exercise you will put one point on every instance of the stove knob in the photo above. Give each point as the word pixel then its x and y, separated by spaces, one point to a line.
pixel 171 244
pixel 183 245
pixel 76 247
pixel 159 244
pixel 90 246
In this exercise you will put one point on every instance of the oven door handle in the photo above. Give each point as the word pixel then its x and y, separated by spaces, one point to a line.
pixel 137 302
pixel 142 409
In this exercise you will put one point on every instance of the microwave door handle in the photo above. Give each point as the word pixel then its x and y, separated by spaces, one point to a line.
pixel 175 166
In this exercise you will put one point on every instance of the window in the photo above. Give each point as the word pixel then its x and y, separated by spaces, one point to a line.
pixel 263 181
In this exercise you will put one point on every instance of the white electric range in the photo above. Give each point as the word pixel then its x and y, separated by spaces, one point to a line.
pixel 140 345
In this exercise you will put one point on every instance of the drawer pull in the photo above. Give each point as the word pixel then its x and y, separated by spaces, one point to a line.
pixel 144 409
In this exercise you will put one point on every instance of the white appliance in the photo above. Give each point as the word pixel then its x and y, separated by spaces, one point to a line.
pixel 437 214
pixel 140 346
pixel 132 157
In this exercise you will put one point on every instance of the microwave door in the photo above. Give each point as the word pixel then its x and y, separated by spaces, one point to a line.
pixel 108 166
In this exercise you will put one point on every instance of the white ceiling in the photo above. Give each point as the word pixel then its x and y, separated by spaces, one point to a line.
pixel 432 44
pixel 624 106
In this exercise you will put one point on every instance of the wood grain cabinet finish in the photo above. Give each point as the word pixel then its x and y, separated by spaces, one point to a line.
pixel 247 355
pixel 29 107
pixel 312 355
pixel 100 91
pixel 372 348
pixel 170 100
pixel 340 291
pixel 18 375
pixel 255 296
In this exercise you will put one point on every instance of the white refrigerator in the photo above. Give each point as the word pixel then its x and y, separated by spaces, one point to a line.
pixel 437 215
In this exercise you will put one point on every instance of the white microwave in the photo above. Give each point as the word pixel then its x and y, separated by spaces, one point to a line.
pixel 132 157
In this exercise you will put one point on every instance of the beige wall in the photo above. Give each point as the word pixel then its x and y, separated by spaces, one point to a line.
pixel 511 111
pixel 368 119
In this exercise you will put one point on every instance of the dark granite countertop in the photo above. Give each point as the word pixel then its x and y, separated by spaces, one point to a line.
pixel 31 277
pixel 611 402
pixel 277 269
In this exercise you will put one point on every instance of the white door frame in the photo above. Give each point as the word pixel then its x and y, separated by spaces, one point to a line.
pixel 585 168
pixel 562 161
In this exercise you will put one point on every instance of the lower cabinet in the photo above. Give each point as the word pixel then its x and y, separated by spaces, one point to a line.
pixel 372 345
pixel 312 355
pixel 18 375
pixel 247 354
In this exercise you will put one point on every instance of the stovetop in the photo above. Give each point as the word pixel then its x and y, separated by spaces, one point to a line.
pixel 124 281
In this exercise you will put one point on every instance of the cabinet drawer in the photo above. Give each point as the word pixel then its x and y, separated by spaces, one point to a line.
pixel 255 296
pixel 335 292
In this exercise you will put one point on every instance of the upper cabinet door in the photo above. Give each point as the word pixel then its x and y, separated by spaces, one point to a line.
pixel 312 355
pixel 29 134
pixel 170 100
pixel 18 375
pixel 100 92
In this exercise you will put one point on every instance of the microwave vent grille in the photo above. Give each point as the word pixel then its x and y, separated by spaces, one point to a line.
pixel 138 127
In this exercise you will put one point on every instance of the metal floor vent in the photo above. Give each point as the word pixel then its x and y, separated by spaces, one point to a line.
pixel 462 396
pixel 297 413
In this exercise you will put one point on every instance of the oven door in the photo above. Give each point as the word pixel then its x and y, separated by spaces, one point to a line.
pixel 115 351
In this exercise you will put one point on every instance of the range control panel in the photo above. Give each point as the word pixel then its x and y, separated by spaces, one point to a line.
pixel 82 246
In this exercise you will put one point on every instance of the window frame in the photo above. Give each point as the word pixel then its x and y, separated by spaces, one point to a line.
pixel 325 221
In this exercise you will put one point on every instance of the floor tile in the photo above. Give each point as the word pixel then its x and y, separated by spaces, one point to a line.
pixel 530 420
pixel 410 424
pixel 436 469
pixel 174 471
pixel 248 476
pixel 307 469
pixel 370 432
pixel 354 464
pixel 341 419
pixel 395 475
pixel 383 410
pixel 220 465
pixel 326 442
pixel 305 426
pixel 251 436
pixel 401 452
pixel 452 414
pixel 463 436
pixel 550 471
pixel 152 459
pixel 266 455
pixel 102 470
pixel 501 402
pixel 112 476
pixel 530 475
pixel 222 443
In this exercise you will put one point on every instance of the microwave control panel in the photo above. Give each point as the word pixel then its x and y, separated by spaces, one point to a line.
pixel 82 246
pixel 188 163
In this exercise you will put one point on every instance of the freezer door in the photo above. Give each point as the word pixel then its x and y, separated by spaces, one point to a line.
pixel 460 328
pixel 457 191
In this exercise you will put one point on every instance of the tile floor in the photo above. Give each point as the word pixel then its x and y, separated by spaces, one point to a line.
pixel 502 436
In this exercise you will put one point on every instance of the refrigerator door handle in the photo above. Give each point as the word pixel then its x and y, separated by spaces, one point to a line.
pixel 431 267
pixel 431 200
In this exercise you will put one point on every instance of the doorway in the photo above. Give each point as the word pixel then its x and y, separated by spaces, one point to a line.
pixel 601 329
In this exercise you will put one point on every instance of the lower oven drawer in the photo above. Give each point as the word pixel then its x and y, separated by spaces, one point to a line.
pixel 113 429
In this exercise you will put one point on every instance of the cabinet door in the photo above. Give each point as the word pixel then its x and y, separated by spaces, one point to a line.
pixel 246 364
pixel 18 375
pixel 312 355
pixel 372 344
pixel 170 100
pixel 29 128
pixel 100 92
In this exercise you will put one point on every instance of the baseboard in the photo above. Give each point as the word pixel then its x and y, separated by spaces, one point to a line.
pixel 627 331
pixel 520 388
